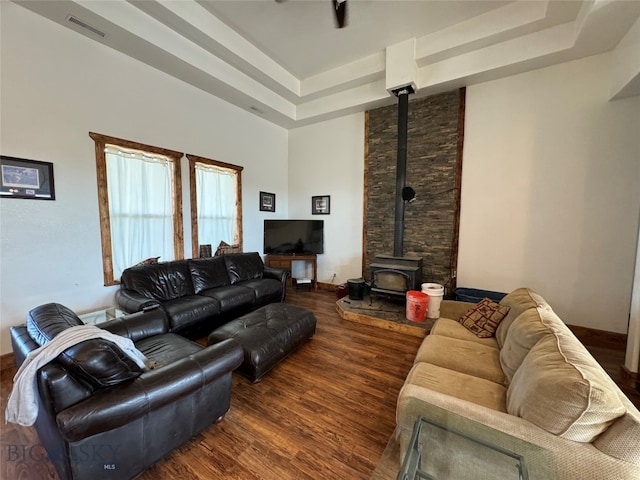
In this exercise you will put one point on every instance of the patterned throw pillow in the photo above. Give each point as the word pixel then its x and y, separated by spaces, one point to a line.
pixel 148 261
pixel 224 248
pixel 484 318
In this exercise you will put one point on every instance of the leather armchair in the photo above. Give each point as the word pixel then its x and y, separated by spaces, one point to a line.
pixel 97 432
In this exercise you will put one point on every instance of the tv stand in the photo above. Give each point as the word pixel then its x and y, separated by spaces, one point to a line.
pixel 285 261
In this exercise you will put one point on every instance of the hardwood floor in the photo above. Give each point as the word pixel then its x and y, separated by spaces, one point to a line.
pixel 326 412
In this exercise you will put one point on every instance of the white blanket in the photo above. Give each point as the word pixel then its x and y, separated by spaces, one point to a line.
pixel 22 407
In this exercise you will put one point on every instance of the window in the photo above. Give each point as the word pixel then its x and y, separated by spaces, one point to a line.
pixel 140 202
pixel 216 203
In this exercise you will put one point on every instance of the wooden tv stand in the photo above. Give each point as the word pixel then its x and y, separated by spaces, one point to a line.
pixel 285 261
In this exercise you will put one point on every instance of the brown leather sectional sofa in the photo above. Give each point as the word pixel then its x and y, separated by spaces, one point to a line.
pixel 100 416
pixel 199 295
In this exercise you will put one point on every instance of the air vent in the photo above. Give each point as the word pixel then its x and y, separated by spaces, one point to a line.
pixel 86 26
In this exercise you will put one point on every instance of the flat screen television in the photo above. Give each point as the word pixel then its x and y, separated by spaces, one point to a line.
pixel 288 237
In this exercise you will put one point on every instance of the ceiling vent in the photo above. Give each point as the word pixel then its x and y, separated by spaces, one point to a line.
pixel 86 26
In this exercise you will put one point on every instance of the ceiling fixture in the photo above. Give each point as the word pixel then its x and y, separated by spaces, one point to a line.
pixel 86 26
pixel 340 8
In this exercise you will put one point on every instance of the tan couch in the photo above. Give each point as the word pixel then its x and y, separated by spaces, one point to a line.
pixel 534 381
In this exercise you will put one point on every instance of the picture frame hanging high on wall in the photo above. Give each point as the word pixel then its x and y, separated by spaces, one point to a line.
pixel 267 202
pixel 22 178
pixel 321 205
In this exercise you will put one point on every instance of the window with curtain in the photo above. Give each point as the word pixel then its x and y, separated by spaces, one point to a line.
pixel 216 203
pixel 140 204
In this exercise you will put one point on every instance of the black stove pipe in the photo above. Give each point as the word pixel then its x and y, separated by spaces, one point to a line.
pixel 401 168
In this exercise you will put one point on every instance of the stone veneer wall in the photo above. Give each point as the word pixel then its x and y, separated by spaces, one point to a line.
pixel 434 164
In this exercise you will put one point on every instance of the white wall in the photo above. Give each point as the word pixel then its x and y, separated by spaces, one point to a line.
pixel 56 86
pixel 551 191
pixel 550 194
pixel 625 64
pixel 328 159
pixel 632 356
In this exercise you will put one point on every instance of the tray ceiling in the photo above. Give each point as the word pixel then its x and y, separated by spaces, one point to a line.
pixel 286 62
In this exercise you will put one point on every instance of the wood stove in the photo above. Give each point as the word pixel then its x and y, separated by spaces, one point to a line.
pixel 395 275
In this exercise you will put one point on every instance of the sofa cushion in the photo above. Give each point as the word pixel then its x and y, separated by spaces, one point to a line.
pixel 231 297
pixel 99 362
pixel 265 289
pixel 189 311
pixel 167 348
pixel 446 327
pixel 519 300
pixel 244 266
pixel 460 385
pixel 208 273
pixel 526 330
pixel 622 439
pixel 465 357
pixel 162 281
pixel 46 321
pixel 560 388
pixel 483 319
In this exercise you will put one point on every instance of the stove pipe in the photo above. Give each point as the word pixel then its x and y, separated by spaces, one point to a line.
pixel 401 169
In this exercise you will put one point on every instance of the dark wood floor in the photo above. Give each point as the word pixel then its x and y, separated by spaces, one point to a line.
pixel 326 412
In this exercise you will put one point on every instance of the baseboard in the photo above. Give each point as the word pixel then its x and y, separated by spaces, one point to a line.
pixel 629 374
pixel 327 286
pixel 600 338
pixel 629 378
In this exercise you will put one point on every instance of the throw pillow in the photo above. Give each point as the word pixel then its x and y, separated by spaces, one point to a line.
pixel 484 318
pixel 99 362
pixel 46 321
pixel 224 248
pixel 147 261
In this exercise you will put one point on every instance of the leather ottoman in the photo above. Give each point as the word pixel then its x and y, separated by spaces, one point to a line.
pixel 267 335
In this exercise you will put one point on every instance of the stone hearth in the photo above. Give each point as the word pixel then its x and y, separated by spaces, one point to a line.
pixel 382 313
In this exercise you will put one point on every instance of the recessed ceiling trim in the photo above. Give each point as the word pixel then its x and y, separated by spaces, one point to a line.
pixel 186 40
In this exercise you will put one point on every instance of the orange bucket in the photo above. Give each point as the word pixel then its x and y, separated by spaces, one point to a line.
pixel 417 303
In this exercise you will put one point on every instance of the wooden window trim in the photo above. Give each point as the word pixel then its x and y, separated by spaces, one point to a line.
pixel 193 159
pixel 101 141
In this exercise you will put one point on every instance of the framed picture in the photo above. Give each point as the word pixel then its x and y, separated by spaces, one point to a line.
pixel 267 202
pixel 321 205
pixel 21 178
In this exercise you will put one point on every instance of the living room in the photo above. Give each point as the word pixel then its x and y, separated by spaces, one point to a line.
pixel 550 159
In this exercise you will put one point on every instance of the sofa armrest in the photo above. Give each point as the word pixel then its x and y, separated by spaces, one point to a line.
pixel 132 302
pixel 280 274
pixel 572 459
pixel 139 325
pixel 116 406
pixel 21 343
pixel 454 309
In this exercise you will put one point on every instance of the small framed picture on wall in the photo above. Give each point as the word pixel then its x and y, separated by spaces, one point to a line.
pixel 22 178
pixel 321 205
pixel 267 202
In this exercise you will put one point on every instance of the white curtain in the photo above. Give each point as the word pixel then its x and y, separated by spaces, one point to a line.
pixel 140 207
pixel 216 204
